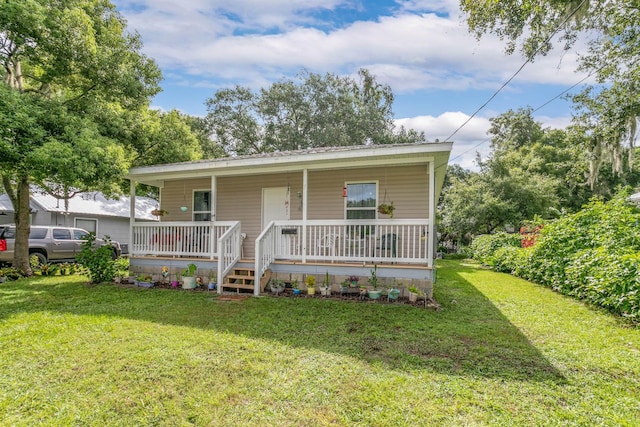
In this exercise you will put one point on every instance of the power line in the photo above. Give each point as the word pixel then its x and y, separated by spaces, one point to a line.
pixel 531 56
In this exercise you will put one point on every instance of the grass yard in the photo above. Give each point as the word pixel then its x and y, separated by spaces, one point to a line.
pixel 501 352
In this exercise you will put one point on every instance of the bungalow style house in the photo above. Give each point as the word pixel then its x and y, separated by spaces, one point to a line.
pixel 337 210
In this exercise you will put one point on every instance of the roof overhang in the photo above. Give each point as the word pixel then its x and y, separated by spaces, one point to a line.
pixel 313 159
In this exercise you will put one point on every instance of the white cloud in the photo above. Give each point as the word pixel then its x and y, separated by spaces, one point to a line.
pixel 250 40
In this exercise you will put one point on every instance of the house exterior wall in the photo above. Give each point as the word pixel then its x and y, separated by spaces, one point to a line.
pixel 239 198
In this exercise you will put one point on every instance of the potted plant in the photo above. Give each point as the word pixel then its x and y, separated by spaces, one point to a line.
pixel 325 289
pixel 277 286
pixel 353 281
pixel 374 293
pixel 213 281
pixel 344 286
pixel 393 293
pixel 176 283
pixel 386 209
pixel 414 293
pixel 294 286
pixel 310 281
pixel 189 277
pixel 144 280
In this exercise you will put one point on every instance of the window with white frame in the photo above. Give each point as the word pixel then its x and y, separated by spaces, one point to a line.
pixel 362 200
pixel 91 225
pixel 202 205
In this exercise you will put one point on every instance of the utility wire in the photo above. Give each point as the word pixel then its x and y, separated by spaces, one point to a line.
pixel 531 56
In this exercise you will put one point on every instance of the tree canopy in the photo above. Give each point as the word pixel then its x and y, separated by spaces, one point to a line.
pixel 64 64
pixel 607 112
pixel 312 111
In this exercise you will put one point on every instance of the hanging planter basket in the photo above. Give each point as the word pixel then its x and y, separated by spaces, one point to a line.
pixel 386 209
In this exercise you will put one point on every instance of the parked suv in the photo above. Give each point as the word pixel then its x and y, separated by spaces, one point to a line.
pixel 49 243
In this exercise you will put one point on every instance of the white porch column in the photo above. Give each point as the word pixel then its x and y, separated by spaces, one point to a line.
pixel 213 237
pixel 305 198
pixel 132 212
pixel 432 213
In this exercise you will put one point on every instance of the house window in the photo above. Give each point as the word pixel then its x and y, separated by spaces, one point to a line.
pixel 202 205
pixel 362 200
pixel 91 225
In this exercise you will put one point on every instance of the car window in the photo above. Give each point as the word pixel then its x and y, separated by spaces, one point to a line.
pixel 80 234
pixel 38 233
pixel 8 233
pixel 61 234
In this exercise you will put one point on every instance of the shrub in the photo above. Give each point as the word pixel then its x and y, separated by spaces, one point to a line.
pixel 98 260
pixel 484 247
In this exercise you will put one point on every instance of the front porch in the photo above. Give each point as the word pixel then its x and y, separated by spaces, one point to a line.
pixel 289 250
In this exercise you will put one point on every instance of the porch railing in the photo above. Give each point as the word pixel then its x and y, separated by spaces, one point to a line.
pixel 377 241
pixel 229 254
pixel 178 238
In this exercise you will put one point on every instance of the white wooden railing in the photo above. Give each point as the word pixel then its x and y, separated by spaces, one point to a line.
pixel 178 238
pixel 229 254
pixel 371 241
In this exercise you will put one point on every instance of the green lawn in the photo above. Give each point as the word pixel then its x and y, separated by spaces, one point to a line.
pixel 502 351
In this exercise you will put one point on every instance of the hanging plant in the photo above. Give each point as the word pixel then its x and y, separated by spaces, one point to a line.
pixel 386 209
pixel 159 212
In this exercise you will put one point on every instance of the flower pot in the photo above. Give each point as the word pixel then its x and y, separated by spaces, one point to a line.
pixel 374 294
pixel 276 289
pixel 189 282
pixel 413 297
pixel 325 291
pixel 353 284
pixel 174 283
pixel 144 284
pixel 296 291
pixel 212 286
pixel 393 294
pixel 311 291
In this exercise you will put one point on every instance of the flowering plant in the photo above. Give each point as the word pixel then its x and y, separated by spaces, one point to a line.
pixel 353 278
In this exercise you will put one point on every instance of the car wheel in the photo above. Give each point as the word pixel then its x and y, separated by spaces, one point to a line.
pixel 42 258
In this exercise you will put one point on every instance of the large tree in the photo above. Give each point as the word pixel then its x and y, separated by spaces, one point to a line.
pixel 312 111
pixel 63 64
pixel 608 112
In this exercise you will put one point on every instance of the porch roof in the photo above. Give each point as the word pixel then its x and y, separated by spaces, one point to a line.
pixel 322 158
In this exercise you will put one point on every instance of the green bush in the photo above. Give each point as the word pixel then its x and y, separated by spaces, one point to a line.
pixel 484 247
pixel 98 260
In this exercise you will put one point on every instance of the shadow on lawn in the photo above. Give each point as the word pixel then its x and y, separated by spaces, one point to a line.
pixel 470 336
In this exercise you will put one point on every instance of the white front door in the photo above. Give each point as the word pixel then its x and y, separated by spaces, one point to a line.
pixel 275 207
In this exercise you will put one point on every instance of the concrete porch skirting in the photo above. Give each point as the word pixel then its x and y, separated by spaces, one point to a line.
pixel 405 274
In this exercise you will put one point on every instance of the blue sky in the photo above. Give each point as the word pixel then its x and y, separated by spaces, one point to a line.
pixel 439 73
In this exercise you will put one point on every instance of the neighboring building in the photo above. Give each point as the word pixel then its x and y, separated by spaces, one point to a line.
pixel 290 214
pixel 90 211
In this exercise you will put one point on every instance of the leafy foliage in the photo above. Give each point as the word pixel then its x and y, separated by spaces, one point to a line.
pixel 98 260
pixel 485 247
pixel 312 111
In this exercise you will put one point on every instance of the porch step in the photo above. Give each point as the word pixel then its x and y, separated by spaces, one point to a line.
pixel 244 278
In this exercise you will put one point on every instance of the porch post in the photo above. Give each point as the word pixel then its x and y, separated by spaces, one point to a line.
pixel 132 212
pixel 213 239
pixel 305 198
pixel 432 213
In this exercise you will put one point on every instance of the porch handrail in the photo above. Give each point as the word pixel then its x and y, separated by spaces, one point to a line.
pixel 264 251
pixel 178 238
pixel 229 252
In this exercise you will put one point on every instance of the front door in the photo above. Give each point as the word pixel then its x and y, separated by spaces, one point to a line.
pixel 275 207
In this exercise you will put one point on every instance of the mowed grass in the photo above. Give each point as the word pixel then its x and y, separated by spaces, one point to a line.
pixel 502 351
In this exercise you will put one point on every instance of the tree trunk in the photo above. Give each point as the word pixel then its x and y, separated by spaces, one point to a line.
pixel 22 210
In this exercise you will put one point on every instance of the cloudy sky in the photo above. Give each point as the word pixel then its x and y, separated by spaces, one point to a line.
pixel 439 73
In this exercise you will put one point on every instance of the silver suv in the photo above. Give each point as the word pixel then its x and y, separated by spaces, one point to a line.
pixel 50 243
